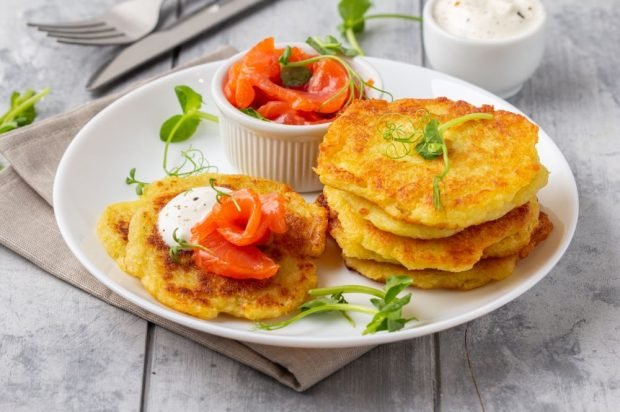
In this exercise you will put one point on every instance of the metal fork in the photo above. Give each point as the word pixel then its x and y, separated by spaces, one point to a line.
pixel 122 24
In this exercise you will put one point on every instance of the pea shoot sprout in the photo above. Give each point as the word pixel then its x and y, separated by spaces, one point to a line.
pixel 220 194
pixel 386 314
pixel 180 246
pixel 426 136
pixel 179 128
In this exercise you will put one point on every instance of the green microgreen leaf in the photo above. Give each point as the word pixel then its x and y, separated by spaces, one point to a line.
pixel 292 76
pixel 22 110
pixel 181 245
pixel 352 13
pixel 178 128
pixel 26 117
pixel 285 56
pixel 431 146
pixel 7 127
pixel 354 17
pixel 188 98
pixel 28 113
pixel 387 314
pixel 220 194
pixel 254 113
pixel 330 45
pixel 389 317
pixel 181 127
pixel 395 285
pixel 131 180
pixel 15 98
pixel 336 298
pixel 295 76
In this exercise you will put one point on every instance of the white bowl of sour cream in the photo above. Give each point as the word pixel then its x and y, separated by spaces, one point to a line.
pixel 495 44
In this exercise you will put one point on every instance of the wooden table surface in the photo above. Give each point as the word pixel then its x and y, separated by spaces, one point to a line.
pixel 554 348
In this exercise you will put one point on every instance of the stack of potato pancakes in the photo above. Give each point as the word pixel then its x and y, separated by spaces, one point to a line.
pixel 379 192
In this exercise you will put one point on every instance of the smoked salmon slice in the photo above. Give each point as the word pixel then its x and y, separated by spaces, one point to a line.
pixel 233 228
pixel 254 81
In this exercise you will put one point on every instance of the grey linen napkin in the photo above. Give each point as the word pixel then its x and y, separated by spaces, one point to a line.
pixel 26 213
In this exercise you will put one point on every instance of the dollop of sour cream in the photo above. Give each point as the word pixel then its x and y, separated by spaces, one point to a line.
pixel 487 19
pixel 184 212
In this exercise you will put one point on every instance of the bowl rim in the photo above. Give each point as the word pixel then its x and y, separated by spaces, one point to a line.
pixel 231 112
pixel 429 22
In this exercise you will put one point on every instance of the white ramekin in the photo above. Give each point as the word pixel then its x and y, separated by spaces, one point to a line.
pixel 500 65
pixel 286 153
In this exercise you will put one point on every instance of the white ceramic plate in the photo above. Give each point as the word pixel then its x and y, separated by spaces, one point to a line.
pixel 92 172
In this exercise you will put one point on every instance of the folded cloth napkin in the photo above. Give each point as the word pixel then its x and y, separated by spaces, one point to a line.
pixel 26 213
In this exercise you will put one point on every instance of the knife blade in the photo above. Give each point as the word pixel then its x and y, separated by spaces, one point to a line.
pixel 157 43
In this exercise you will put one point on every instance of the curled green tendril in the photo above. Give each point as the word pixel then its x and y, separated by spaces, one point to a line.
pixel 426 136
pixel 402 132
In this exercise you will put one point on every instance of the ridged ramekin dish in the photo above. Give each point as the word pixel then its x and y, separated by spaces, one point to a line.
pixel 286 153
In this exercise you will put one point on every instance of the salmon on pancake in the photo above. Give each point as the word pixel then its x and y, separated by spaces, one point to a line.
pixel 252 259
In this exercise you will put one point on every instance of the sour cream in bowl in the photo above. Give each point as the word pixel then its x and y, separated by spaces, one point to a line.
pixel 495 44
pixel 272 149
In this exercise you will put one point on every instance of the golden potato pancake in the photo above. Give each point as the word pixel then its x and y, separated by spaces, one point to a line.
pixel 359 238
pixel 542 231
pixel 186 288
pixel 382 220
pixel 113 229
pixel 483 272
pixel 494 165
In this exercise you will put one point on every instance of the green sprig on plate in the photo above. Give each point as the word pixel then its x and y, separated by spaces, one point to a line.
pixel 386 309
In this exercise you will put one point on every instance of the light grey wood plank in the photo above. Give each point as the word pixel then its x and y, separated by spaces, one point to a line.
pixel 186 376
pixel 60 346
pixel 556 347
pixel 63 349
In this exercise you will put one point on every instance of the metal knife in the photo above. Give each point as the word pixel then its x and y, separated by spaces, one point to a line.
pixel 162 41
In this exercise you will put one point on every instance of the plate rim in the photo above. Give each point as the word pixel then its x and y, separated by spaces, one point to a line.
pixel 304 341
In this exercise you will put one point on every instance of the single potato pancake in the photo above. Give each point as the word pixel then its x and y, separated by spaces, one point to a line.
pixel 358 238
pixel 185 287
pixel 494 165
pixel 382 220
pixel 113 229
pixel 485 271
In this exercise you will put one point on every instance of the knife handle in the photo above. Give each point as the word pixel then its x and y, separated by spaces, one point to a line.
pixel 204 20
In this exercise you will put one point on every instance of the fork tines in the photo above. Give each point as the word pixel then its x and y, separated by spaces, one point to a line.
pixel 87 32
